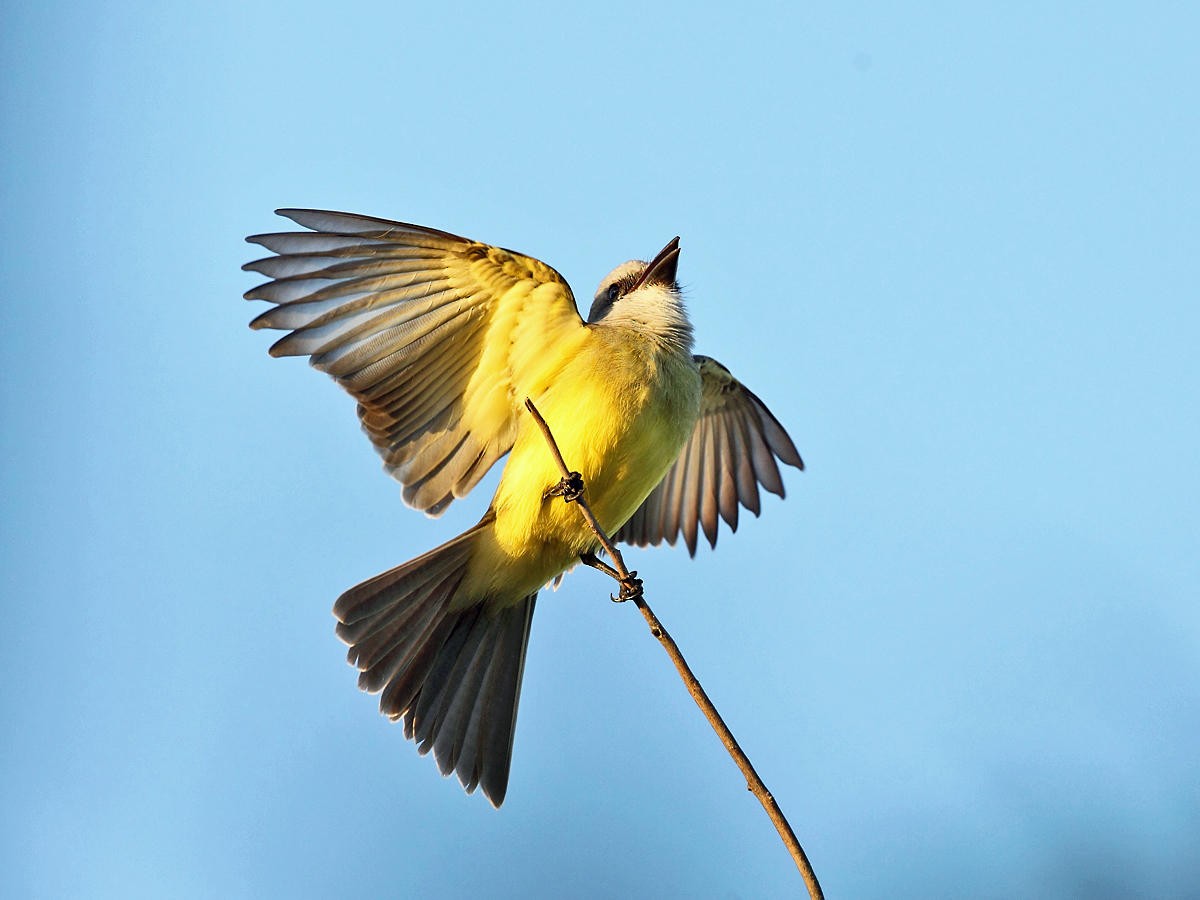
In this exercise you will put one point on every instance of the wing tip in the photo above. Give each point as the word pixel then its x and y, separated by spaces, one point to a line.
pixel 290 212
pixel 281 348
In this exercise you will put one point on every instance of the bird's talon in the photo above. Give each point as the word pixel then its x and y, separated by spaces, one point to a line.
pixel 569 488
pixel 631 589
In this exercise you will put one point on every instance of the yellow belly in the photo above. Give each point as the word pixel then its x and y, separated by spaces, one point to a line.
pixel 620 413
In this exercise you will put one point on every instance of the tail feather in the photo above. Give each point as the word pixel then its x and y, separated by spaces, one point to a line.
pixel 454 670
pixel 363 604
pixel 453 675
pixel 403 649
pixel 469 719
pixel 494 723
pixel 402 692
pixel 400 635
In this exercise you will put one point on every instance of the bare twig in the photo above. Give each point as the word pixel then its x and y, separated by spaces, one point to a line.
pixel 631 589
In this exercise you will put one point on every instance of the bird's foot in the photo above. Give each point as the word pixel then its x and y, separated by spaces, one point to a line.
pixel 631 589
pixel 569 488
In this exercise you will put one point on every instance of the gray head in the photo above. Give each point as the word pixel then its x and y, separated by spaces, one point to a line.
pixel 645 297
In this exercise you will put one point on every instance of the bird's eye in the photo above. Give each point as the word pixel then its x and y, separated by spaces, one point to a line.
pixel 613 293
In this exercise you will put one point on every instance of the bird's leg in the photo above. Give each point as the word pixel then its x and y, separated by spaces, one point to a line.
pixel 570 488
pixel 591 559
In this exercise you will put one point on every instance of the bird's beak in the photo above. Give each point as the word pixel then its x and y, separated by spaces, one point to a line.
pixel 662 268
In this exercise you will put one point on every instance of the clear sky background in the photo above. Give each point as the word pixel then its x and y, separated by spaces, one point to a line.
pixel 955 250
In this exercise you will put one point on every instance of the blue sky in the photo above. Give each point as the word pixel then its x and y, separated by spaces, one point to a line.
pixel 953 248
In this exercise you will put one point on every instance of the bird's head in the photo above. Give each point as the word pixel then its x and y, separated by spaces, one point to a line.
pixel 645 297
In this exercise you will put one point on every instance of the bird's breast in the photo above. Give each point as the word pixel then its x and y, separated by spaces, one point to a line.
pixel 620 412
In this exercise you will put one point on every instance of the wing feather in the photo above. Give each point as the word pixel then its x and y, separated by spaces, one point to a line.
pixel 303 243
pixel 437 337
pixel 747 483
pixel 711 482
pixel 673 501
pixel 689 508
pixel 734 448
pixel 765 469
pixel 728 496
pixel 405 417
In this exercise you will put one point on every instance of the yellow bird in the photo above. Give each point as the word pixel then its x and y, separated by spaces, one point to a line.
pixel 440 339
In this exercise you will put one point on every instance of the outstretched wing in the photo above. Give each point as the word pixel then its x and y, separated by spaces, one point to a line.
pixel 731 452
pixel 439 338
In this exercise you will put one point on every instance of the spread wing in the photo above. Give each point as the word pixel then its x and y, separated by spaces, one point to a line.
pixel 437 337
pixel 732 450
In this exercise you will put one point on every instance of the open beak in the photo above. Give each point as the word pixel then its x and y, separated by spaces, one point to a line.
pixel 662 268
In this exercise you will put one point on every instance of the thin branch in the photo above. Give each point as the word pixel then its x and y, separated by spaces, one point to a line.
pixel 571 489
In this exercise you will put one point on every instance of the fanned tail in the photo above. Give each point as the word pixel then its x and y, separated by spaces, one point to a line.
pixel 453 675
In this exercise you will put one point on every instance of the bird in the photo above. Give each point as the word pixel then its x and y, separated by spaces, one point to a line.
pixel 441 340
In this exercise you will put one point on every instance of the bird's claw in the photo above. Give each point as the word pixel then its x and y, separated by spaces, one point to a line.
pixel 631 589
pixel 569 488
